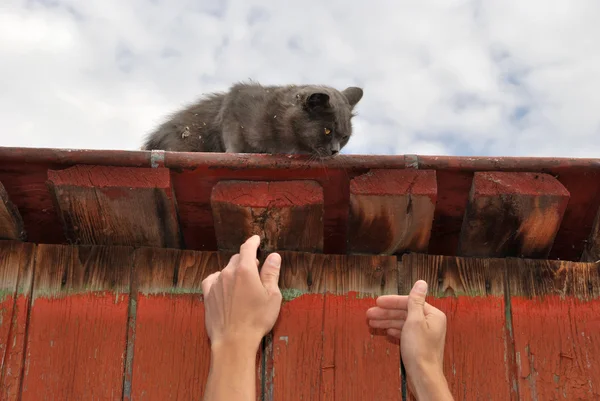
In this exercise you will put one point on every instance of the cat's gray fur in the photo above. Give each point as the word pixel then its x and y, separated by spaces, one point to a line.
pixel 251 118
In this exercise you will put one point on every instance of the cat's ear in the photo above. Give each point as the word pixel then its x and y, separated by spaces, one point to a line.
pixel 317 101
pixel 353 94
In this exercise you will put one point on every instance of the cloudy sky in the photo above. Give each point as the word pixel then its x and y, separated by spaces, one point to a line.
pixel 489 77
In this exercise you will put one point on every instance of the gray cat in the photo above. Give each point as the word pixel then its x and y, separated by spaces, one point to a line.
pixel 250 118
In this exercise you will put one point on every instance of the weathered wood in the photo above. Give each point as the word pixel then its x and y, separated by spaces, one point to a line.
pixel 391 211
pixel 78 321
pixel 288 215
pixel 512 214
pixel 556 323
pixel 102 205
pixel 11 224
pixel 322 347
pixel 478 357
pixel 591 252
pixel 16 268
pixel 169 326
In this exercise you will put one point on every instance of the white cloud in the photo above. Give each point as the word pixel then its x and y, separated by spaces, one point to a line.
pixel 440 77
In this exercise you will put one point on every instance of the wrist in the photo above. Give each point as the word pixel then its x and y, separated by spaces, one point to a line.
pixel 430 384
pixel 237 347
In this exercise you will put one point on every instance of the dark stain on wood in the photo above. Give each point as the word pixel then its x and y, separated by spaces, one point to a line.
pixel 339 274
pixel 452 276
pixel 512 214
pixel 62 269
pixel 287 215
pixel 541 278
pixel 171 270
pixel 11 223
pixel 391 211
pixel 116 206
pixel 591 252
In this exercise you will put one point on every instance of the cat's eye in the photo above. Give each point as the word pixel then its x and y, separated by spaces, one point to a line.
pixel 327 131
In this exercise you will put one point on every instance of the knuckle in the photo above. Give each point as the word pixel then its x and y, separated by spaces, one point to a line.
pixel 227 274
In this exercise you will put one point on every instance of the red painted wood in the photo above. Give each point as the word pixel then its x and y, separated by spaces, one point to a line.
pixel 16 266
pixel 475 353
pixel 77 327
pixel 297 349
pixel 391 211
pixel 111 177
pixel 172 351
pixel 557 341
pixel 321 342
pixel 27 188
pixel 194 190
pixel 171 355
pixel 323 349
pixel 24 173
pixel 190 160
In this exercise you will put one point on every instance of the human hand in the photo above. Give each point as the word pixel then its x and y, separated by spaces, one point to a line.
pixel 421 329
pixel 242 306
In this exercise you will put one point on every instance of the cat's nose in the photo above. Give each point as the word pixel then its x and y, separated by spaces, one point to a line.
pixel 334 152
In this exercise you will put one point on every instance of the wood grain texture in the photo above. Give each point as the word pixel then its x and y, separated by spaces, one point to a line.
pixel 591 252
pixel 512 214
pixel 322 347
pixel 171 355
pixel 391 211
pixel 16 268
pixel 96 205
pixel 11 223
pixel 288 215
pixel 556 323
pixel 470 291
pixel 77 328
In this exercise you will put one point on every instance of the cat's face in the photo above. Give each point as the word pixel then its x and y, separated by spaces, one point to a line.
pixel 324 125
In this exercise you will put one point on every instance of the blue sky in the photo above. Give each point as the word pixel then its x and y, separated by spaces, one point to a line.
pixel 491 78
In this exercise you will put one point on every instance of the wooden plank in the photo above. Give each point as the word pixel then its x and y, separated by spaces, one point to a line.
pixel 556 323
pixel 288 215
pixel 169 324
pixel 512 214
pixel 16 268
pixel 11 223
pixel 391 211
pixel 591 252
pixel 470 291
pixel 78 323
pixel 322 347
pixel 102 205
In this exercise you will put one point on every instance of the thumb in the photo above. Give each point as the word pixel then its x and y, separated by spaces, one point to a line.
pixel 416 300
pixel 269 274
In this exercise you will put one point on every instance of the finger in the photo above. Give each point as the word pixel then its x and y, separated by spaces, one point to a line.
pixel 208 282
pixel 248 251
pixel 234 261
pixel 377 313
pixel 394 332
pixel 393 302
pixel 269 274
pixel 416 300
pixel 387 324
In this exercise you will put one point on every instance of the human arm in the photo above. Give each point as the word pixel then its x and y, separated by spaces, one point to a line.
pixel 421 329
pixel 241 306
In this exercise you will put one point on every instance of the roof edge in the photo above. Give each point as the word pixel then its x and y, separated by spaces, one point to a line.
pixel 191 160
